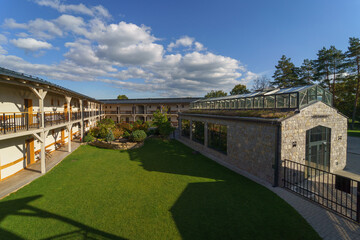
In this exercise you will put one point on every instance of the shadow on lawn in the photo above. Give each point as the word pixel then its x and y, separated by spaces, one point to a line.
pixel 21 207
pixel 173 157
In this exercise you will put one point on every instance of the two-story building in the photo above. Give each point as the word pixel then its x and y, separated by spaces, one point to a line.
pixel 37 117
pixel 131 110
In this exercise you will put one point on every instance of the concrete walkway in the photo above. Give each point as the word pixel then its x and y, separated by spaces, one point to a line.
pixel 32 172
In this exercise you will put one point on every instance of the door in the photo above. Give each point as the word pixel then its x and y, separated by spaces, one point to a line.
pixel 28 108
pixel 30 154
pixel 318 148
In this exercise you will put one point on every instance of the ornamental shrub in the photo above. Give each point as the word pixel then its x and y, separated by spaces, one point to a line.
pixel 110 136
pixel 138 136
pixel 165 129
pixel 89 138
pixel 118 133
pixel 126 134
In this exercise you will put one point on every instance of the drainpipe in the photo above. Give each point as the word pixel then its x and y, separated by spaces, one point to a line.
pixel 277 164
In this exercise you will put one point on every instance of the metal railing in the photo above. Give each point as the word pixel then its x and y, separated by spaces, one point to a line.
pixel 13 122
pixel 332 191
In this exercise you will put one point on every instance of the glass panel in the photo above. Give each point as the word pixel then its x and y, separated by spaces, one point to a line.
pixel 282 101
pixel 293 100
pixel 227 102
pixel 303 98
pixel 185 128
pixel 198 131
pixel 312 94
pixel 320 93
pixel 217 137
pixel 249 102
pixel 242 103
pixel 269 102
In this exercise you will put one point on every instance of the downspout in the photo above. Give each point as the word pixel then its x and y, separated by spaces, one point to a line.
pixel 277 164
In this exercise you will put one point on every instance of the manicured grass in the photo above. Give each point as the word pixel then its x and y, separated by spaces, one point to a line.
pixel 160 191
pixel 354 133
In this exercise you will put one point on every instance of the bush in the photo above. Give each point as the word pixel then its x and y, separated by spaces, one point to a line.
pixel 110 136
pixel 89 138
pixel 126 134
pixel 125 127
pixel 118 133
pixel 138 135
pixel 165 129
pixel 139 125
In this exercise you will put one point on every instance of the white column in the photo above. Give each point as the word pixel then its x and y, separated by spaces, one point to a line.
pixel 42 153
pixel 68 102
pixel 69 137
pixel 81 120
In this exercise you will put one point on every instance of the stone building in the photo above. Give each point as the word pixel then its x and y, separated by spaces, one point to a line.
pixel 131 110
pixel 255 132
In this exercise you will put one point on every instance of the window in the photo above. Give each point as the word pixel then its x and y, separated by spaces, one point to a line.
pixel 198 131
pixel 185 128
pixel 249 103
pixel 269 102
pixel 217 137
pixel 293 100
pixel 282 101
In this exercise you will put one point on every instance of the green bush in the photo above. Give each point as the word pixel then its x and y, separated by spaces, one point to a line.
pixel 126 134
pixel 138 135
pixel 110 136
pixel 165 129
pixel 89 138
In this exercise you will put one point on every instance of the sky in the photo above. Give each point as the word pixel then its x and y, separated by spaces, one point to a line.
pixel 166 48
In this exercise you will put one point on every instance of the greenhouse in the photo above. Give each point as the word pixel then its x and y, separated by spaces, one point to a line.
pixel 279 98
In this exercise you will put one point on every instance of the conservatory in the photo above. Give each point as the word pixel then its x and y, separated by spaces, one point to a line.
pixel 279 98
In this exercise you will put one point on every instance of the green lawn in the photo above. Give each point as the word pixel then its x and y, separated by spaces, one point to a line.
pixel 354 133
pixel 160 191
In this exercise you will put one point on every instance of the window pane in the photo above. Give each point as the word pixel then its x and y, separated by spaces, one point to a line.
pixel 249 103
pixel 185 128
pixel 312 94
pixel 198 131
pixel 217 137
pixel 270 102
pixel 293 100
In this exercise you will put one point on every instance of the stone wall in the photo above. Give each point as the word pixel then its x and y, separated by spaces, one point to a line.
pixel 294 130
pixel 251 145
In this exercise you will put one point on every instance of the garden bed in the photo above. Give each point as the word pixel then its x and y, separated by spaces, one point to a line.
pixel 121 144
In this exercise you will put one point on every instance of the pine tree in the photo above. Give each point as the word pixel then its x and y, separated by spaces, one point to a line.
pixel 353 60
pixel 307 72
pixel 286 74
pixel 330 66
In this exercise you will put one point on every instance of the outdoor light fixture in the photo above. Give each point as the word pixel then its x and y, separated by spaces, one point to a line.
pixel 294 143
pixel 339 137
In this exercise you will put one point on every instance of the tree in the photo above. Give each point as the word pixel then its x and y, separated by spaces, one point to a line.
pixel 213 93
pixel 353 59
pixel 329 68
pixel 307 72
pixel 239 89
pixel 122 97
pixel 286 74
pixel 260 83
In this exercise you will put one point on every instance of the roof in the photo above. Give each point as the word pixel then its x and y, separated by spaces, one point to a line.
pixel 274 91
pixel 33 79
pixel 149 100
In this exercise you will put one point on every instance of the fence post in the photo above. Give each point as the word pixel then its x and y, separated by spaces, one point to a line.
pixel 4 122
pixel 358 202
pixel 14 122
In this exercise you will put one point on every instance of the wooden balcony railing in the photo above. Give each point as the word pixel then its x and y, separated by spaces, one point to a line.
pixel 13 122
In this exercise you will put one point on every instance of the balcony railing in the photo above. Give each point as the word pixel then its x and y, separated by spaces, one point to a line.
pixel 75 116
pixel 54 118
pixel 13 122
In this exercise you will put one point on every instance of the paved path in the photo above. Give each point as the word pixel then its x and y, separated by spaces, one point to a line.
pixel 31 173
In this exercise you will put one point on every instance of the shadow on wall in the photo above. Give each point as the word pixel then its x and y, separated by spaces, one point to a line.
pixel 22 207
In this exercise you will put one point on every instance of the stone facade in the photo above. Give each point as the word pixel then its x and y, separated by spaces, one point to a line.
pixel 257 146
pixel 318 114
pixel 246 150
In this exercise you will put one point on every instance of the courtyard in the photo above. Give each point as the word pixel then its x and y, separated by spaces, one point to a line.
pixel 163 190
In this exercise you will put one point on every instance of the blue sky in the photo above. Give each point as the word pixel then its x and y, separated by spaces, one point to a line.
pixel 166 48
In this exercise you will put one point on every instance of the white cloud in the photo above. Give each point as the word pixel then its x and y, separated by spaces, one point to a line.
pixel 30 44
pixel 123 54
pixel 72 8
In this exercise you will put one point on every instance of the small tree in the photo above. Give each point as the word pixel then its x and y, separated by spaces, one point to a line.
pixel 239 89
pixel 122 97
pixel 213 93
pixel 261 82
pixel 162 123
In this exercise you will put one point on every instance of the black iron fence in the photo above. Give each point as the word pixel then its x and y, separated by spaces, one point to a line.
pixel 13 122
pixel 54 118
pixel 332 191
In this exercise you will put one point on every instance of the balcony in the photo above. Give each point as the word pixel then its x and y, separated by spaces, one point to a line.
pixel 54 118
pixel 20 121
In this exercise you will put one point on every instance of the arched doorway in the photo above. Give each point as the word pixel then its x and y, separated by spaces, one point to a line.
pixel 318 141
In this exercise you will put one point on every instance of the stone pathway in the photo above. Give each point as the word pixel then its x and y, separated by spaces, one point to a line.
pixel 32 172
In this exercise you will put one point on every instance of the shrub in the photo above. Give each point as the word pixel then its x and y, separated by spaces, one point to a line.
pixel 125 127
pixel 140 125
pixel 110 136
pixel 165 129
pixel 126 134
pixel 138 135
pixel 89 138
pixel 118 133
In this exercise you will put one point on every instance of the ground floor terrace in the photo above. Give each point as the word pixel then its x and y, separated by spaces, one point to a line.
pixel 163 190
